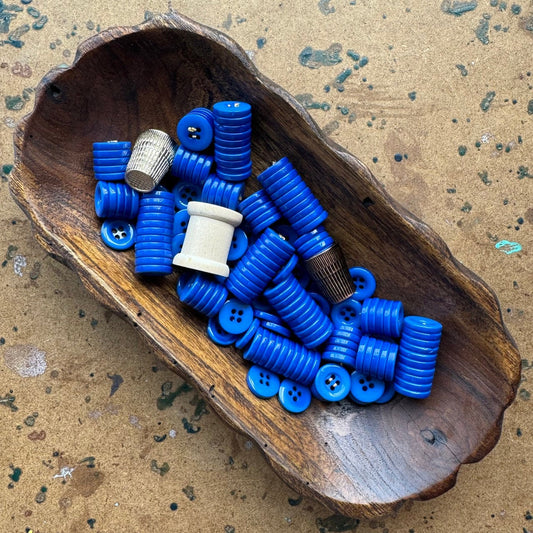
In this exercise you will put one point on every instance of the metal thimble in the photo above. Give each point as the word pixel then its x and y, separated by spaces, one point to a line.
pixel 331 274
pixel 150 160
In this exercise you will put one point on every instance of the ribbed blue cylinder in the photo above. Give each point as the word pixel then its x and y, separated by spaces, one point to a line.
pixel 202 292
pixel 292 196
pixel 283 356
pixel 259 211
pixel 376 358
pixel 314 243
pixel 303 315
pixel 258 266
pixel 155 221
pixel 342 345
pixel 382 317
pixel 115 200
pixel 191 166
pixel 221 192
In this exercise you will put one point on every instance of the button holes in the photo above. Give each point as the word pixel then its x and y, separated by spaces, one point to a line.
pixel 365 388
pixel 261 381
pixel 231 318
pixel 294 388
pixel 193 136
pixel 294 398
pixel 261 374
pixel 240 312
pixel 329 380
pixel 191 129
pixel 290 393
pixel 238 319
pixel 266 383
pixel 268 376
pixel 183 224
pixel 361 381
pixel 299 393
pixel 371 385
pixel 233 311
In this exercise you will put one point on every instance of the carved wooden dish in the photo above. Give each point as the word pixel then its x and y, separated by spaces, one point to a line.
pixel 359 461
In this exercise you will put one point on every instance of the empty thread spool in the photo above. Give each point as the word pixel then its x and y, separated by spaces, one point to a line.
pixel 150 160
pixel 208 238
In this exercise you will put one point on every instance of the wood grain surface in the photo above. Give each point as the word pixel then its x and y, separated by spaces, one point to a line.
pixel 359 461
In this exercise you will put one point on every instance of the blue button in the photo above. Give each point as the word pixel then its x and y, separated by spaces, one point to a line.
pixel 294 397
pixel 388 394
pixel 118 234
pixel 181 221
pixel 185 192
pixel 263 383
pixel 218 335
pixel 243 341
pixel 332 383
pixel 235 316
pixel 195 129
pixel 177 243
pixel 232 109
pixel 347 313
pixel 239 245
pixel 364 281
pixel 365 389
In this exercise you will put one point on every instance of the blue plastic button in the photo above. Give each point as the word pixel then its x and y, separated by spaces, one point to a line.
pixel 294 397
pixel 239 245
pixel 332 383
pixel 100 154
pixel 181 221
pixel 388 394
pixel 118 234
pixel 347 313
pixel 263 383
pixel 112 145
pixel 423 324
pixel 185 192
pixel 235 316
pixel 365 389
pixel 232 109
pixel 364 281
pixel 195 130
pixel 177 243
pixel 218 335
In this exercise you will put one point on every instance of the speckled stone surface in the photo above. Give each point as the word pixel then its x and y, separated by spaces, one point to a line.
pixel 436 99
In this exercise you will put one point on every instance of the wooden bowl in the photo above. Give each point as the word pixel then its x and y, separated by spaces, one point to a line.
pixel 359 461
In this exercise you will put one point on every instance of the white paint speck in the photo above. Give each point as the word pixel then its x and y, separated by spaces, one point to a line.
pixel 172 433
pixel 19 264
pixel 65 472
pixel 486 137
pixel 250 54
pixel 10 122
pixel 248 444
pixel 134 421
pixel 26 360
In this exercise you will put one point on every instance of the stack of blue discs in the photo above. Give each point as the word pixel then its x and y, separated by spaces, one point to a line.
pixel 110 160
pixel 417 356
pixel 153 248
pixel 233 140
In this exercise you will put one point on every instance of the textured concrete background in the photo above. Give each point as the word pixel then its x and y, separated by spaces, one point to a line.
pixel 88 441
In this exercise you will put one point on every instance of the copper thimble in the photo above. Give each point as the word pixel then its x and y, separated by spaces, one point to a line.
pixel 150 160
pixel 331 274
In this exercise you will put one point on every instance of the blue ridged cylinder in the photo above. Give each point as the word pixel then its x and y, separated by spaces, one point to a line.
pixel 258 266
pixel 283 356
pixel 303 315
pixel 221 192
pixel 314 243
pixel 115 200
pixel 382 317
pixel 342 345
pixel 155 221
pixel 259 211
pixel 376 358
pixel 202 292
pixel 191 166
pixel 292 196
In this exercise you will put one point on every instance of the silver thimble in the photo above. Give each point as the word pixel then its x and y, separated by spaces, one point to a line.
pixel 150 160
pixel 331 274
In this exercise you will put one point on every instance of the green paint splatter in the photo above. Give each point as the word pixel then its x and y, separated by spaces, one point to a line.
pixel 16 473
pixel 189 492
pixel 29 421
pixel 89 25
pixel 482 31
pixel 228 22
pixel 524 394
pixel 167 397
pixel 412 96
pixel 160 438
pixel 9 401
pixel 341 78
pixel 343 109
pixel 89 460
pixel 508 247
pixel 14 103
pixel 293 502
pixel 188 427
pixel 461 150
pixel 261 41
pixel 353 55
pixel 330 127
pixel 336 523
pixel 530 107
pixel 499 147
pixel 516 9
pixel 484 176
pixel 6 169
pixel 32 12
pixel 457 8
pixel 40 23
pixel 161 470
pixel 311 58
pixel 14 37
pixel 503 6
pixel 451 191
pixel 200 409
pixel 307 101
pixel 467 207
pixel 462 69
pixel 523 172
pixel 91 522
pixel 325 8
pixel 487 101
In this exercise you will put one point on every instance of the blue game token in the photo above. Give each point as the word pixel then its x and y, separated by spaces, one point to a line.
pixel 365 389
pixel 263 383
pixel 118 234
pixel 235 316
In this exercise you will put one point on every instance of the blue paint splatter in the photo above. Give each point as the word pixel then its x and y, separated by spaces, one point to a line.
pixel 320 58
pixel 341 78
pixel 261 42
pixel 398 157
pixel 325 8
pixel 412 96
pixel 457 8
pixel 306 99
pixel 482 31
pixel 508 247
